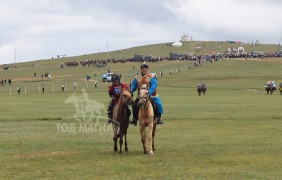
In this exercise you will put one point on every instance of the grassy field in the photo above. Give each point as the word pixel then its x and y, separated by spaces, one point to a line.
pixel 234 132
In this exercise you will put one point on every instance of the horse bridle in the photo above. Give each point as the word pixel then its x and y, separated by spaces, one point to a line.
pixel 128 99
pixel 144 100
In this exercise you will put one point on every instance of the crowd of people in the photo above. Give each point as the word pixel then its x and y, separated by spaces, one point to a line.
pixel 5 81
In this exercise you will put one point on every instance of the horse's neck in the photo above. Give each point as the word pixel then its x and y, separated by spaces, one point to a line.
pixel 146 106
pixel 146 112
pixel 120 105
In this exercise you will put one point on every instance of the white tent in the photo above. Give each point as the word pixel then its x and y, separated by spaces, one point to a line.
pixel 176 44
pixel 241 50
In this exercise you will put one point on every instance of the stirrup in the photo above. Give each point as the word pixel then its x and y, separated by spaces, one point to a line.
pixel 109 122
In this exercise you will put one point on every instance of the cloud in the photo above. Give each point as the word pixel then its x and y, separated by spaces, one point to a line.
pixel 210 19
pixel 41 29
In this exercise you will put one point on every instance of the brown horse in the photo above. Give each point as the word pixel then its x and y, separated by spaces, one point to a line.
pixel 146 119
pixel 121 120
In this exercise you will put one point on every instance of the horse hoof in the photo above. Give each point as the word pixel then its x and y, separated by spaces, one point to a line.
pixel 126 149
pixel 151 153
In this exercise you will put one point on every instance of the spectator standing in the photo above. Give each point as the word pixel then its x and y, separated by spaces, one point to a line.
pixel 75 86
pixel 96 83
pixel 19 90
pixel 63 87
pixel 42 88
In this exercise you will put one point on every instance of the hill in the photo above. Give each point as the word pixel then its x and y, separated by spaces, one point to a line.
pixel 163 50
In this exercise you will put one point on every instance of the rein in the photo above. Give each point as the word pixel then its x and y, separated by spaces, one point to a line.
pixel 144 101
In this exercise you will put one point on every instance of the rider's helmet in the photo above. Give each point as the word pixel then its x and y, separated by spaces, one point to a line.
pixel 144 66
pixel 115 78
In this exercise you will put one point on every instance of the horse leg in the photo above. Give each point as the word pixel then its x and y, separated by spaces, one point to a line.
pixel 115 143
pixel 150 138
pixel 125 143
pixel 120 142
pixel 153 136
pixel 143 138
pixel 115 137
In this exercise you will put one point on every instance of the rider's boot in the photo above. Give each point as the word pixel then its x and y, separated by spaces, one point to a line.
pixel 128 112
pixel 135 116
pixel 109 119
pixel 110 112
pixel 160 121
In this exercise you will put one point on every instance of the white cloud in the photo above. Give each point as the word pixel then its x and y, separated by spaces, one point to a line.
pixel 246 18
pixel 41 29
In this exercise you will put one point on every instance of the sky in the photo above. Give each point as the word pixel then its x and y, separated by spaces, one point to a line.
pixel 41 29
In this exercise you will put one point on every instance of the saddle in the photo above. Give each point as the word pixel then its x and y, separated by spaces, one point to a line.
pixel 155 108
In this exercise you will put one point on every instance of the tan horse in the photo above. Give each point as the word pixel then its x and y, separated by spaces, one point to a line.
pixel 146 119
pixel 120 120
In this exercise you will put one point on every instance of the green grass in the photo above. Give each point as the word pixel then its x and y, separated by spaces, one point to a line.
pixel 234 132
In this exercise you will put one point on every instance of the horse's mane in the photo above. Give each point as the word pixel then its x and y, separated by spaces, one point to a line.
pixel 120 105
pixel 121 110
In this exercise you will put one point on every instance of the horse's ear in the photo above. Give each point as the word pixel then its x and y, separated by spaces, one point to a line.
pixel 127 93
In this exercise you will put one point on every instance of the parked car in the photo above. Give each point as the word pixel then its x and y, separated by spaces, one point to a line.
pixel 107 77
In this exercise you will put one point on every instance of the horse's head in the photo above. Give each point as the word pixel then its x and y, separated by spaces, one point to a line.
pixel 143 95
pixel 126 97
